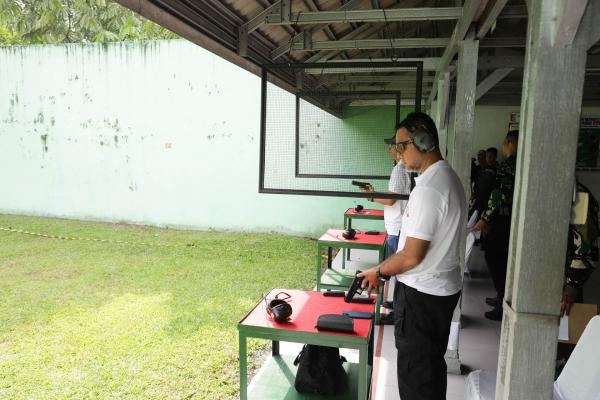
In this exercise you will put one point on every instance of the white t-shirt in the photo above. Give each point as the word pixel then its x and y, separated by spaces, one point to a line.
pixel 436 212
pixel 392 215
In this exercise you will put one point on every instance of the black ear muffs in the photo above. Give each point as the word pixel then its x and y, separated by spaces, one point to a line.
pixel 358 208
pixel 279 309
pixel 349 234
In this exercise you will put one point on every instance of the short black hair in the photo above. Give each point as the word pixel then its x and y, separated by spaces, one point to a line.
pixel 419 121
pixel 492 150
pixel 513 136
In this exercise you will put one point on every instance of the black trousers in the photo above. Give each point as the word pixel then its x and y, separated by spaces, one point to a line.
pixel 421 329
pixel 496 251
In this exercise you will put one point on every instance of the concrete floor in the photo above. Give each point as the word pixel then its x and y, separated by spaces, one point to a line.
pixel 478 345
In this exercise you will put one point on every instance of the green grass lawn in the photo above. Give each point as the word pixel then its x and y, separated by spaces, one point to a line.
pixel 104 320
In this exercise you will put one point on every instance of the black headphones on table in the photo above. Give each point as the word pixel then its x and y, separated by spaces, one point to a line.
pixel 349 233
pixel 278 308
pixel 358 208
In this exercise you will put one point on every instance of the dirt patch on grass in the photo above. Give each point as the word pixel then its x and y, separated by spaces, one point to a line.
pixel 256 360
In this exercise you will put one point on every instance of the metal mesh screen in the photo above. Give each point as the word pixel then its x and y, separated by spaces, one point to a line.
pixel 331 130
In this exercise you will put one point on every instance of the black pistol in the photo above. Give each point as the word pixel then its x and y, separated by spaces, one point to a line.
pixel 362 185
pixel 354 288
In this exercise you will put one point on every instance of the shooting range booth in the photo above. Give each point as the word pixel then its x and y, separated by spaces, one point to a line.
pixel 368 62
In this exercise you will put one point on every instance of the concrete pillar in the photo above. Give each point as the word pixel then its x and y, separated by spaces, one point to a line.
pixel 464 116
pixel 441 110
pixel 550 111
pixel 466 84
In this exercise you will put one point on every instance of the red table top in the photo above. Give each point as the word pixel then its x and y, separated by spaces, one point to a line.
pixel 364 212
pixel 306 308
pixel 335 235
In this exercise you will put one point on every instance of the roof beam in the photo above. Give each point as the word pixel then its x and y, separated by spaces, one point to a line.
pixel 429 63
pixel 515 12
pixel 460 30
pixel 281 50
pixel 489 17
pixel 381 15
pixel 365 30
pixel 311 4
pixel 342 70
pixel 255 22
pixel 403 43
pixel 569 22
pixel 517 62
pixel 345 78
pixel 490 81
pixel 405 89
pixel 503 42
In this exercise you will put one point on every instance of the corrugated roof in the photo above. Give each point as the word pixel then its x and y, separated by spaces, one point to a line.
pixel 252 33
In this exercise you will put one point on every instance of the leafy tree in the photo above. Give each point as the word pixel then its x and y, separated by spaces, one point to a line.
pixel 73 21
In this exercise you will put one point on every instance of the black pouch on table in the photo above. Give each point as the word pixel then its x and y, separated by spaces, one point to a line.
pixel 335 322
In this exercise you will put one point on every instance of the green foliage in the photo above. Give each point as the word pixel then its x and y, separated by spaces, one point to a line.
pixel 118 319
pixel 73 21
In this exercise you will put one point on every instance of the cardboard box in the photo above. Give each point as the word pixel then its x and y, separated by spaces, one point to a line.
pixel 579 317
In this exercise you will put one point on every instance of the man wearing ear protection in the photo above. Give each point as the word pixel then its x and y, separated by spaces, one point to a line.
pixel 427 263
pixel 392 210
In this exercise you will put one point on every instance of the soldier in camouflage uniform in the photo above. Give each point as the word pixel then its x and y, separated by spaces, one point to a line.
pixel 582 249
pixel 495 222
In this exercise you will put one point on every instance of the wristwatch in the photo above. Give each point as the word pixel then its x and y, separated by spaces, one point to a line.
pixel 381 276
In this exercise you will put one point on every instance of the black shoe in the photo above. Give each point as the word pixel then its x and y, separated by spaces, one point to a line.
pixel 388 304
pixel 492 301
pixel 494 314
pixel 386 319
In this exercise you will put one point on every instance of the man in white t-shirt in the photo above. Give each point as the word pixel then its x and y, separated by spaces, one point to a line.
pixel 392 211
pixel 394 208
pixel 427 264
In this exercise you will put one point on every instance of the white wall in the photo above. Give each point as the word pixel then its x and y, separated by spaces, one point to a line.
pixel 160 133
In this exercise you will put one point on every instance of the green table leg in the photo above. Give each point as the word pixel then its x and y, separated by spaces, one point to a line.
pixel 363 372
pixel 380 290
pixel 319 249
pixel 243 368
pixel 347 225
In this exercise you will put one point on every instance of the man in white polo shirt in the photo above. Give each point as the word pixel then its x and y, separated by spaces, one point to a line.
pixel 427 264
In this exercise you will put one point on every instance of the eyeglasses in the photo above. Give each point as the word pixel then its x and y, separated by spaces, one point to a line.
pixel 401 146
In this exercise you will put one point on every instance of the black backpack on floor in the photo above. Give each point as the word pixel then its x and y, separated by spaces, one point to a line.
pixel 320 370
